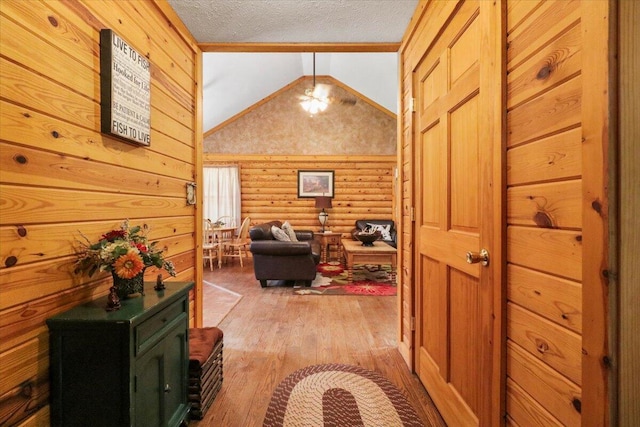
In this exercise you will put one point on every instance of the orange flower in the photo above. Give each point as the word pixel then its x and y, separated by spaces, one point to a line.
pixel 128 265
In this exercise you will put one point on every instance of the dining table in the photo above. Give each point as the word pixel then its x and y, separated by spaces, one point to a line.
pixel 222 233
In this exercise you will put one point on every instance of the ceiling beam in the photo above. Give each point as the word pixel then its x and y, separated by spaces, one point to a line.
pixel 299 47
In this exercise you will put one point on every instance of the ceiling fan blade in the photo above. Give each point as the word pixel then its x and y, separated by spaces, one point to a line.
pixel 343 100
pixel 321 90
pixel 328 91
pixel 348 101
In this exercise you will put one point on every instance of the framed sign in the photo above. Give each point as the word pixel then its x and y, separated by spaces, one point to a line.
pixel 125 90
pixel 315 183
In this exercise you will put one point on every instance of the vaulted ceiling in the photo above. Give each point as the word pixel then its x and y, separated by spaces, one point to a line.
pixel 234 81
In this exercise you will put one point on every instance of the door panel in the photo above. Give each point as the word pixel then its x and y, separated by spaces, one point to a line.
pixel 454 158
pixel 464 346
pixel 433 200
pixel 464 168
pixel 467 41
pixel 434 313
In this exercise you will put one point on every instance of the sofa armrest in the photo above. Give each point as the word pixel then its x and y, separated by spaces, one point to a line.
pixel 278 248
pixel 263 231
pixel 303 235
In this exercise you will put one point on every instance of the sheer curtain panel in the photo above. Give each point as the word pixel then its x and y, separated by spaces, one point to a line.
pixel 221 192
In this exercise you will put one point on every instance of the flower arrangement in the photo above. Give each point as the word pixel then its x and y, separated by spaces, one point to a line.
pixel 124 252
pixel 217 223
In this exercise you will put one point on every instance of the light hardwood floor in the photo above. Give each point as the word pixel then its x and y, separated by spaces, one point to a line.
pixel 272 332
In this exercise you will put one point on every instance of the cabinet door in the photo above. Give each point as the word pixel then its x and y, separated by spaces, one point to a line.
pixel 149 391
pixel 161 383
pixel 176 375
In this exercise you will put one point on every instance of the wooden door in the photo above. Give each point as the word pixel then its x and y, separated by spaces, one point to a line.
pixel 457 133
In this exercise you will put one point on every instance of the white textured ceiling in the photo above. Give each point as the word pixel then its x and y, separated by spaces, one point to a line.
pixel 295 21
pixel 233 82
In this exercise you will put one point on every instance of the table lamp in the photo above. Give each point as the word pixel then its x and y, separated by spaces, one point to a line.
pixel 323 202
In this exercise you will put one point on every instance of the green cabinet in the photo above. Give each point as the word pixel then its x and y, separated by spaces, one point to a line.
pixel 122 368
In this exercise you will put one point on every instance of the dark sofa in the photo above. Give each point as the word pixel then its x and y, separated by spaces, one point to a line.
pixel 277 260
pixel 388 224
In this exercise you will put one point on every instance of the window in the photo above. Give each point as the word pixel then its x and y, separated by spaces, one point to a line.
pixel 221 192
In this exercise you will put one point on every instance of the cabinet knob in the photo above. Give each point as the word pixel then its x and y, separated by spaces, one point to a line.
pixel 167 388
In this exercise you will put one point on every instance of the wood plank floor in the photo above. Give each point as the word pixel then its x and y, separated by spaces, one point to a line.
pixel 272 332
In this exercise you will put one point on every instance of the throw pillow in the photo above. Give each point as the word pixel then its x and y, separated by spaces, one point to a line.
pixel 385 230
pixel 279 234
pixel 287 228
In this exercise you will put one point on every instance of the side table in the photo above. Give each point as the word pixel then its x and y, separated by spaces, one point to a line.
pixel 326 240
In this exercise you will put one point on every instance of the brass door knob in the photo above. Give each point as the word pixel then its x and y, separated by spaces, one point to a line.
pixel 475 257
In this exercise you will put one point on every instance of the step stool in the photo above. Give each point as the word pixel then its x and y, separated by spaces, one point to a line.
pixel 205 368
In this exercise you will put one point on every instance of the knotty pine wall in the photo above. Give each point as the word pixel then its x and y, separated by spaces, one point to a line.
pixel 628 363
pixel 558 124
pixel 364 188
pixel 60 176
pixel 556 132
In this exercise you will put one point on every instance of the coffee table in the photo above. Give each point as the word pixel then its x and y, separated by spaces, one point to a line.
pixel 379 253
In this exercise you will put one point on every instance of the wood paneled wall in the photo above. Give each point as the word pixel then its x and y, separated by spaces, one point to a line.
pixel 544 202
pixel 364 188
pixel 62 177
pixel 556 151
pixel 628 289
pixel 557 52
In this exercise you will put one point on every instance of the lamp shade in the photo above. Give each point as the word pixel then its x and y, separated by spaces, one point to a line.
pixel 323 202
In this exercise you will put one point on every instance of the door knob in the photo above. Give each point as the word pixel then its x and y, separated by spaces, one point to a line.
pixel 475 257
pixel 167 388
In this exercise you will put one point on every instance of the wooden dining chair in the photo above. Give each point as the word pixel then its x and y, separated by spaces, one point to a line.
pixel 209 244
pixel 238 247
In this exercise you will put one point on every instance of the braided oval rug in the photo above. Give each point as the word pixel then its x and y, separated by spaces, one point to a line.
pixel 338 395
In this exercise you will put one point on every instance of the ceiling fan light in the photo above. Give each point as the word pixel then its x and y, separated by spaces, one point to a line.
pixel 313 105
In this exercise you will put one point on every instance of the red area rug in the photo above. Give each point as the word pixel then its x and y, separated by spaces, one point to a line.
pixel 338 395
pixel 367 280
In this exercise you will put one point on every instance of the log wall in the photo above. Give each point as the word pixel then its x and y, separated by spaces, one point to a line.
pixel 61 177
pixel 364 188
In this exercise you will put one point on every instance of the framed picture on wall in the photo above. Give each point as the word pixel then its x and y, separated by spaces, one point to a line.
pixel 315 183
pixel 125 90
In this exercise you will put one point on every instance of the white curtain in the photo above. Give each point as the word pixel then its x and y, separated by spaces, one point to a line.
pixel 221 192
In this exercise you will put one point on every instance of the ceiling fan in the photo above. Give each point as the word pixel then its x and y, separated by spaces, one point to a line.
pixel 317 98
